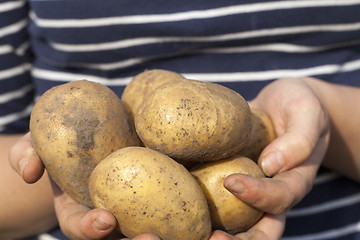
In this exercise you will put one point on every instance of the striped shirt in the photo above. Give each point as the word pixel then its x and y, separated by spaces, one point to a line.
pixel 243 45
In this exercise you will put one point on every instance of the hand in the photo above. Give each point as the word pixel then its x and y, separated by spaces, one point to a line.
pixel 76 221
pixel 292 159
pixel 269 227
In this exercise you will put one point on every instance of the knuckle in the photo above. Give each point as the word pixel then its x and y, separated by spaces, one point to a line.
pixel 284 201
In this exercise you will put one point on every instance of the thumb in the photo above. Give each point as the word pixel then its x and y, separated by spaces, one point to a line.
pixel 80 222
pixel 24 160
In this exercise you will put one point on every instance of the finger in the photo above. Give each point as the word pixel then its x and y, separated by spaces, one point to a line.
pixel 268 228
pixel 220 235
pixel 25 161
pixel 284 190
pixel 303 124
pixel 295 145
pixel 78 221
pixel 274 195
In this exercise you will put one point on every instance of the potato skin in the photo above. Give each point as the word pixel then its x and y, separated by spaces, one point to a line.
pixel 149 192
pixel 262 133
pixel 143 83
pixel 73 127
pixel 194 120
pixel 227 212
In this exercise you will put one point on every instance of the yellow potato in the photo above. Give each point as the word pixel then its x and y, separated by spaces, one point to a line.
pixel 149 192
pixel 192 120
pixel 73 127
pixel 227 212
pixel 143 83
pixel 262 133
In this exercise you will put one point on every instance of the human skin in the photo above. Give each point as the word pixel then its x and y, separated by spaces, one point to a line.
pixel 20 204
pixel 300 110
pixel 299 167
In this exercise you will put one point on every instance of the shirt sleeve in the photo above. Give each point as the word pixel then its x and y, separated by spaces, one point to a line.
pixel 16 88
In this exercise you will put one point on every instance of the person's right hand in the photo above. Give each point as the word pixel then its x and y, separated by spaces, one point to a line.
pixel 75 220
pixel 290 161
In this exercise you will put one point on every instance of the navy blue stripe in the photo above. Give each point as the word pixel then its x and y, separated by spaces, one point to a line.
pixel 320 193
pixel 252 61
pixel 17 105
pixel 44 85
pixel 203 27
pixel 314 223
pixel 10 60
pixel 13 16
pixel 19 126
pixel 96 9
pixel 187 48
pixel 248 90
pixel 351 236
pixel 109 8
pixel 12 84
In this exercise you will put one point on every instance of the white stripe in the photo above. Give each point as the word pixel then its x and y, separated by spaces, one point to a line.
pixel 13 28
pixel 282 47
pixel 5 49
pixel 20 51
pixel 181 16
pixel 113 65
pixel 211 77
pixel 329 234
pixel 278 47
pixel 15 71
pixel 326 206
pixel 9 96
pixel 46 236
pixel 224 37
pixel 326 177
pixel 15 116
pixel 66 77
pixel 11 5
pixel 275 74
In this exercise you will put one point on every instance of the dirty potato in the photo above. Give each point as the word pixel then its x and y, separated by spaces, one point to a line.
pixel 149 192
pixel 73 127
pixel 143 83
pixel 192 120
pixel 227 212
pixel 262 133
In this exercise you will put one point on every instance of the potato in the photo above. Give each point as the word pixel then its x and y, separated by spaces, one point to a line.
pixel 227 212
pixel 192 120
pixel 73 127
pixel 143 83
pixel 148 192
pixel 262 133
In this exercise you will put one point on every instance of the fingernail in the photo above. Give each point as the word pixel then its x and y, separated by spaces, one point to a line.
pixel 22 164
pixel 100 225
pixel 235 187
pixel 272 163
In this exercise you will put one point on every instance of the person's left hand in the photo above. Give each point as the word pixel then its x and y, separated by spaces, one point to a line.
pixel 76 221
pixel 291 160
